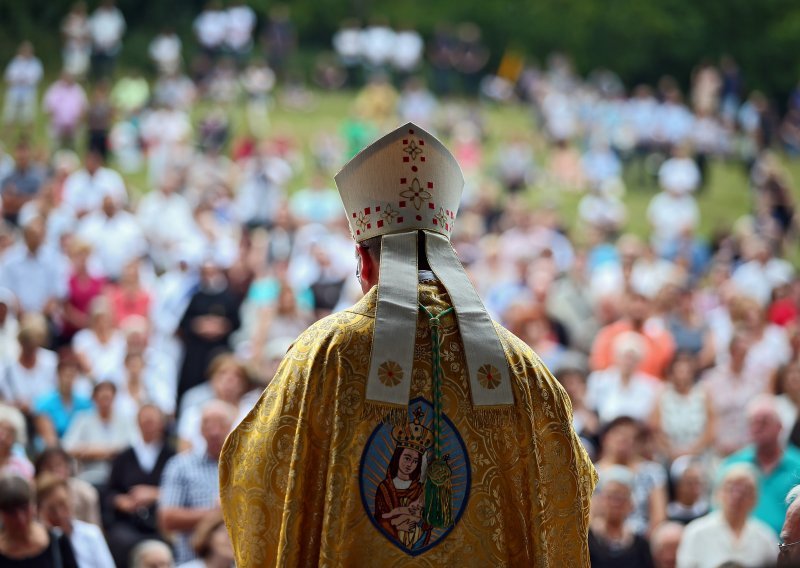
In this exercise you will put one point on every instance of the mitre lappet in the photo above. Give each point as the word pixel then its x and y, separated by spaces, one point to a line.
pixel 406 182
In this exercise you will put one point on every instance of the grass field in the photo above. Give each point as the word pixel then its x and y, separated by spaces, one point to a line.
pixel 725 199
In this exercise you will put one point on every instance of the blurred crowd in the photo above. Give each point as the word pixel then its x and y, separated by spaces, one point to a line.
pixel 139 321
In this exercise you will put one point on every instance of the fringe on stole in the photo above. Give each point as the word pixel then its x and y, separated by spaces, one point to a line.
pixel 386 413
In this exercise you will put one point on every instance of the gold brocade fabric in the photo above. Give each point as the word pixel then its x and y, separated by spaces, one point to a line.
pixel 307 480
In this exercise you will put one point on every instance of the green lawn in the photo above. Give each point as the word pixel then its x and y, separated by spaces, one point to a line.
pixel 725 199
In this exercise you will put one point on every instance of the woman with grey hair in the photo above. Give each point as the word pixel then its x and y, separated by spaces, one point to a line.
pixel 152 554
pixel 731 533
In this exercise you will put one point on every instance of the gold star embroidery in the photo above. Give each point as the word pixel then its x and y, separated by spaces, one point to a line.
pixel 416 194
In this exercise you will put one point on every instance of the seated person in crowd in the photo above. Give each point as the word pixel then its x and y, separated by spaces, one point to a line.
pixel 664 542
pixel 621 446
pixel 730 534
pixel 229 382
pixel 621 389
pixel 56 409
pixel 11 462
pixel 83 498
pixel 151 554
pixel 190 484
pixel 24 541
pixel 778 467
pixel 211 544
pixel 97 435
pixel 52 497
pixel 689 482
pixel 611 542
pixel 133 486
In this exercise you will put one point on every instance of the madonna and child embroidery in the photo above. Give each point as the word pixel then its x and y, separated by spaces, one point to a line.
pixel 414 497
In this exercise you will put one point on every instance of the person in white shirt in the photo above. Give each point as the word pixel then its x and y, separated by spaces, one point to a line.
pixel 762 273
pixel 165 51
pixel 32 373
pixel 107 26
pixel 9 327
pixel 670 214
pixel 85 189
pixel 730 534
pixel 115 237
pixel 35 273
pixel 241 21
pixel 166 219
pixel 348 47
pixel 100 348
pixel 679 174
pixel 408 47
pixel 22 76
pixel 211 27
pixel 88 543
pixel 96 436
pixel 620 390
pixel 378 44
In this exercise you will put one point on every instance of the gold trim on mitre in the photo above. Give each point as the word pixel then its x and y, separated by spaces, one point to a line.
pixel 405 181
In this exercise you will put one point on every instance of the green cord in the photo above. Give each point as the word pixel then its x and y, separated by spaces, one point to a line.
pixel 435 324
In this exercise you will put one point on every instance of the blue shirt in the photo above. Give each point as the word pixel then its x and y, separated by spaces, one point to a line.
pixel 772 487
pixel 61 415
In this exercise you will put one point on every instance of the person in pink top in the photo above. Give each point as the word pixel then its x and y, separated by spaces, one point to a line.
pixel 83 288
pixel 66 103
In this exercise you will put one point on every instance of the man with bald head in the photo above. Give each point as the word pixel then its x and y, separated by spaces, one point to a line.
pixel 778 466
pixel 190 484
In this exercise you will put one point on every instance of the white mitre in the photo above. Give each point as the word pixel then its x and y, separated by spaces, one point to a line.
pixel 403 183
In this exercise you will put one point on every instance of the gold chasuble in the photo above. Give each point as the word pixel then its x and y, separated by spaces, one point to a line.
pixel 313 477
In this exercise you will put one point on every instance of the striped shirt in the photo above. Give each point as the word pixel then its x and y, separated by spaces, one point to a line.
pixel 191 481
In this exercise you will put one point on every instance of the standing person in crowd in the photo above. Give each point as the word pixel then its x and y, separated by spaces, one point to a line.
pixel 611 542
pixel 22 76
pixel 131 501
pixel 107 26
pixel 778 467
pixel 209 320
pixel 730 534
pixel 88 543
pixel 24 541
pixel 77 36
pixel 66 104
pixel 419 310
pixel 190 484
pixel 23 183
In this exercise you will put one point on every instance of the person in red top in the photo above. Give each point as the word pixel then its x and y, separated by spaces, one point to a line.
pixel 128 297
pixel 659 344
pixel 83 288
